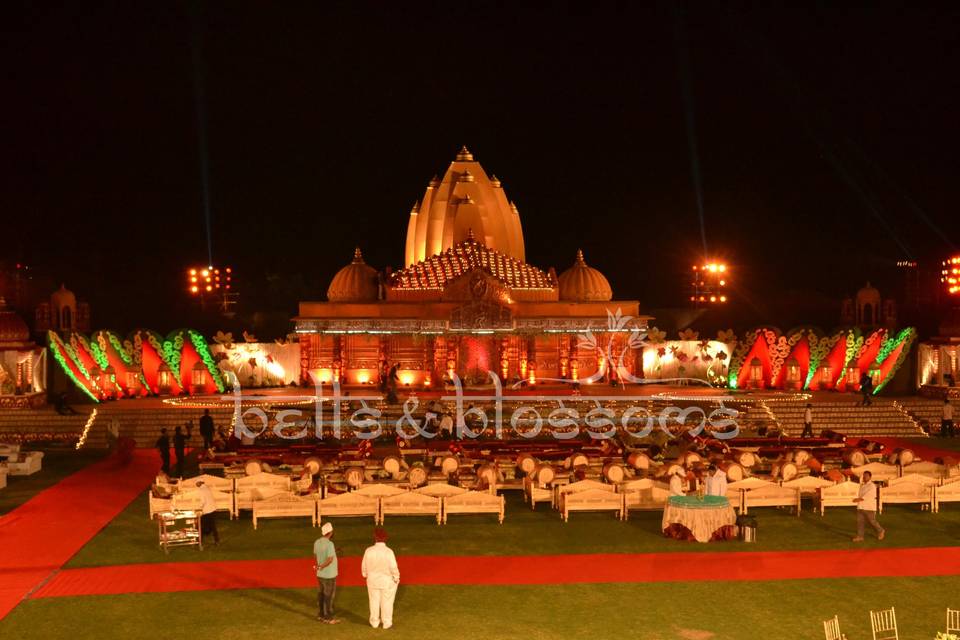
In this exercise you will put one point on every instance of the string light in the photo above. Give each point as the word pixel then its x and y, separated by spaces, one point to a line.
pixel 86 428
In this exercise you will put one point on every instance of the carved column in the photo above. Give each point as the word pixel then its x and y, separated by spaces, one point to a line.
pixel 563 349
pixel 304 341
pixel 574 357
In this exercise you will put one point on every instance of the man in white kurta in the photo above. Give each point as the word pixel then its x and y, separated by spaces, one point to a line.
pixel 717 482
pixel 379 567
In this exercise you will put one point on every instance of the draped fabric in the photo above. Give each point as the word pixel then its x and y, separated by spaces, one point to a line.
pixel 702 517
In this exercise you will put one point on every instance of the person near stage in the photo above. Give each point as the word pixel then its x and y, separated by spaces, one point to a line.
pixel 807 422
pixel 206 429
pixel 866 389
pixel 716 481
pixel 866 501
pixel 179 446
pixel 379 567
pixel 326 566
pixel 208 511
pixel 163 446
pixel 676 483
pixel 446 426
pixel 946 423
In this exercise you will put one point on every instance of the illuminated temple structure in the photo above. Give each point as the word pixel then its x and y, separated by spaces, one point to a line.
pixel 466 301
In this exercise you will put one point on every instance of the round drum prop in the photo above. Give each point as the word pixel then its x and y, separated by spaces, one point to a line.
pixel 353 477
pixel 745 458
pixel 614 472
pixel 639 461
pixel 788 471
pixel 526 463
pixel 733 470
pixel 312 465
pixel 902 456
pixel 252 467
pixel 449 465
pixel 576 460
pixel 801 456
pixel 854 457
pixel 542 475
pixel 392 465
pixel 417 476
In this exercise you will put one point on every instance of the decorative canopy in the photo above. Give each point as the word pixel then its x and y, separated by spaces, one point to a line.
pixel 356 282
pixel 583 283
pixel 437 270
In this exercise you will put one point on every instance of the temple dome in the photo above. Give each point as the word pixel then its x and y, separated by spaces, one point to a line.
pixel 13 330
pixel 466 198
pixel 868 295
pixel 356 282
pixel 63 297
pixel 583 283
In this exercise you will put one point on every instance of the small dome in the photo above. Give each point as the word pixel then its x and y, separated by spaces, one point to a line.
pixel 464 155
pixel 356 282
pixel 868 295
pixel 582 283
pixel 13 330
pixel 63 297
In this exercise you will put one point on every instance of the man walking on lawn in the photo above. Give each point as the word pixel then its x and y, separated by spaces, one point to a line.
pixel 867 508
pixel 326 567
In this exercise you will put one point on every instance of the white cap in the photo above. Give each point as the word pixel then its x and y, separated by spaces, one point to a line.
pixel 326 529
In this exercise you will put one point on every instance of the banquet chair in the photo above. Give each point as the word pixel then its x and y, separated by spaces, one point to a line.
pixel 884 624
pixel 831 629
pixel 953 621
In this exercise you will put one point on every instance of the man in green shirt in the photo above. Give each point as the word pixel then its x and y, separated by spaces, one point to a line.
pixel 326 567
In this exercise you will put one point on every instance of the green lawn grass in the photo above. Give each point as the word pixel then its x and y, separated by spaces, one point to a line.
pixel 132 537
pixel 792 610
pixel 57 465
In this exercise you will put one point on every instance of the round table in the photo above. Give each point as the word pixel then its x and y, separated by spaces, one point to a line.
pixel 701 517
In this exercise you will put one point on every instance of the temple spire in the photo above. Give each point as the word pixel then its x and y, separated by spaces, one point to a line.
pixel 358 256
pixel 464 155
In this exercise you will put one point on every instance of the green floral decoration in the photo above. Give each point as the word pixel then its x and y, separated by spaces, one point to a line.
pixel 61 352
pixel 904 337
pixel 200 344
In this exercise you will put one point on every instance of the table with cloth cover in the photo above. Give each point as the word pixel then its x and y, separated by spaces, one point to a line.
pixel 707 518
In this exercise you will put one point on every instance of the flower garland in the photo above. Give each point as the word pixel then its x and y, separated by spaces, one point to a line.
pixel 905 337
pixel 60 353
pixel 200 344
pixel 819 349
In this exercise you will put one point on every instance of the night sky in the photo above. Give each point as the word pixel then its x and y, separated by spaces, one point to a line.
pixel 826 137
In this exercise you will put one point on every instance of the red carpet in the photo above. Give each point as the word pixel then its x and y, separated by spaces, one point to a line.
pixel 39 536
pixel 507 570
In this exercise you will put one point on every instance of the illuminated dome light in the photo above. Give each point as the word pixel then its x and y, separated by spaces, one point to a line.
pixel 583 283
pixel 356 282
pixel 466 198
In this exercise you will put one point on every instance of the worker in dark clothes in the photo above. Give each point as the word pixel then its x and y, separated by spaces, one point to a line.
pixel 163 446
pixel 179 445
pixel 206 429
